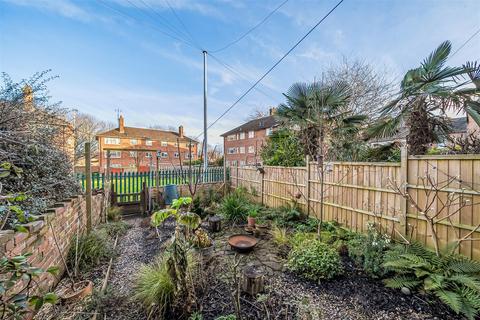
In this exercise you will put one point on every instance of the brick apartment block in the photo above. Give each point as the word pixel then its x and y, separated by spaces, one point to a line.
pixel 135 149
pixel 242 145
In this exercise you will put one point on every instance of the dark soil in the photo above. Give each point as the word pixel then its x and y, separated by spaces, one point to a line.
pixel 351 296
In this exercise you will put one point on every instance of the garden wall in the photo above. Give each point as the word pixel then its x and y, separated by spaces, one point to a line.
pixel 64 219
pixel 357 192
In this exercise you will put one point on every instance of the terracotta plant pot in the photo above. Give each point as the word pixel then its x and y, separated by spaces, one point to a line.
pixel 251 222
pixel 80 290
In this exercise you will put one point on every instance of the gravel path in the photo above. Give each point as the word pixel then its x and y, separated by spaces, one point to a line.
pixel 139 246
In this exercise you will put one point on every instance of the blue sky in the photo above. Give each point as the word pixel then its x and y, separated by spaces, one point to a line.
pixel 106 60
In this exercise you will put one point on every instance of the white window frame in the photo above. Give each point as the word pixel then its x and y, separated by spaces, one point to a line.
pixel 268 131
pixel 251 149
pixel 251 134
pixel 115 165
pixel 114 154
pixel 175 155
pixel 231 137
pixel 133 154
pixel 164 144
pixel 133 142
pixel 111 140
pixel 232 150
pixel 242 135
pixel 148 154
pixel 164 154
pixel 148 142
pixel 242 149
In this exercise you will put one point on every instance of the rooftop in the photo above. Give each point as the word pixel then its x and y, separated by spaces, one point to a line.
pixel 144 133
pixel 255 125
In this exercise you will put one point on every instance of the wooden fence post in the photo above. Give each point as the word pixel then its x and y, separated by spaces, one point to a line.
pixel 404 186
pixel 88 182
pixel 262 185
pixel 307 184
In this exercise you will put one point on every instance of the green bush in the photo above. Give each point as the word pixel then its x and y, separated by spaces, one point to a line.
pixel 315 260
pixel 114 213
pixel 299 238
pixel 368 250
pixel 93 248
pixel 154 287
pixel 235 205
pixel 115 228
pixel 454 279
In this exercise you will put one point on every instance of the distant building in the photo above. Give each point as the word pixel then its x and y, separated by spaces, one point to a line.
pixel 460 128
pixel 243 144
pixel 136 149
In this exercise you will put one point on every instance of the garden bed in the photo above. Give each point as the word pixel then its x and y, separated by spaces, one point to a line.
pixel 354 295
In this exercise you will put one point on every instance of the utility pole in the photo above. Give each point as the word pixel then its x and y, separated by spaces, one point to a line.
pixel 205 144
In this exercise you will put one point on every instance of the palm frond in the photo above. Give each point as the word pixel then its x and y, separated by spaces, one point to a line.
pixel 438 57
pixel 466 280
pixel 398 282
pixel 385 127
pixel 451 299
pixel 473 110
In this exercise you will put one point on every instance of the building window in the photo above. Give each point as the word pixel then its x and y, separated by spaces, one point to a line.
pixel 242 163
pixel 228 163
pixel 113 154
pixel 269 131
pixel 148 154
pixel 176 144
pixel 164 154
pixel 175 154
pixel 133 154
pixel 164 143
pixel 234 162
pixel 251 134
pixel 242 135
pixel 112 140
pixel 231 137
pixel 148 142
pixel 251 149
pixel 242 149
pixel 115 165
pixel 133 142
pixel 231 150
pixel 188 156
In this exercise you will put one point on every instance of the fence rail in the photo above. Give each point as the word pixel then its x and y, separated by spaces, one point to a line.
pixel 355 193
pixel 128 185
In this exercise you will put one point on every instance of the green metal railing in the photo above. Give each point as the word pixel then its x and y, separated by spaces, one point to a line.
pixel 128 185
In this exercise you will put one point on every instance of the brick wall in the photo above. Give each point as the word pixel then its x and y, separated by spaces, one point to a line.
pixel 134 157
pixel 64 219
pixel 242 156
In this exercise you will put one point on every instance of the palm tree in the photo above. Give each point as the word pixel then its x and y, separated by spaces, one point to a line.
pixel 426 94
pixel 319 111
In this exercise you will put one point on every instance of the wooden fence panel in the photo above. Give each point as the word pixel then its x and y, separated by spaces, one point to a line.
pixel 357 192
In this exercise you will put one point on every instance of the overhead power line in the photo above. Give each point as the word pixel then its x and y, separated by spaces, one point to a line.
pixel 228 45
pixel 153 26
pixel 465 43
pixel 274 65
pixel 241 75
pixel 182 24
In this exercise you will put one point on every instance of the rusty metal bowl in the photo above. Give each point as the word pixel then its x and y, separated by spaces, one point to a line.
pixel 242 242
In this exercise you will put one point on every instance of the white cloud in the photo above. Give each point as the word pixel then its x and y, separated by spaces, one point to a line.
pixel 65 8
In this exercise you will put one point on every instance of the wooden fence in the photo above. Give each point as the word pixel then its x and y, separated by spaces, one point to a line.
pixel 357 192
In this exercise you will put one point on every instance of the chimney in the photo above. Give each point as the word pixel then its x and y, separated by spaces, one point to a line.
pixel 180 131
pixel 272 111
pixel 121 124
pixel 28 98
